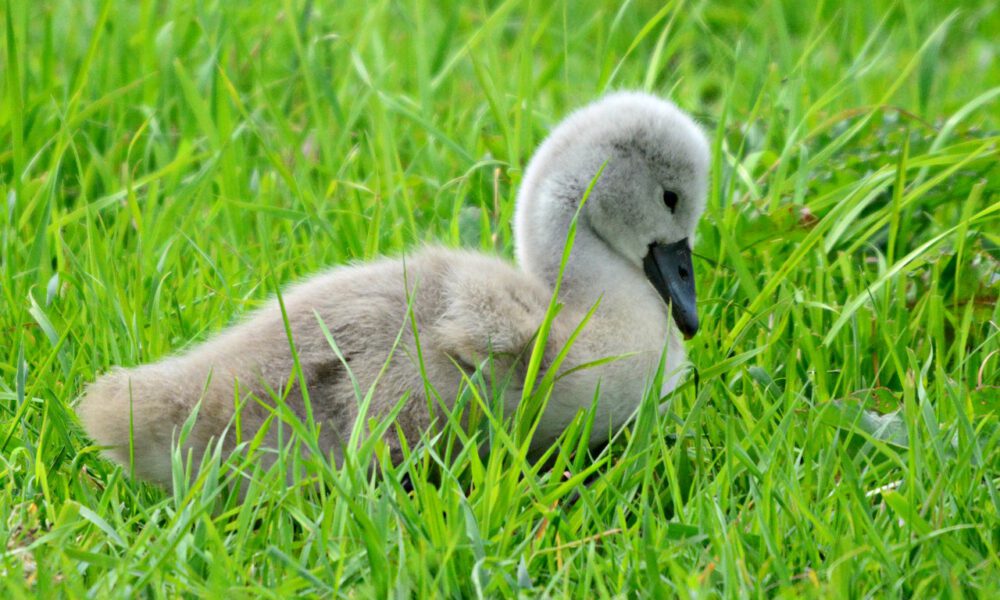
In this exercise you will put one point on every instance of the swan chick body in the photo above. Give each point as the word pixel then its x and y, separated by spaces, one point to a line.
pixel 630 258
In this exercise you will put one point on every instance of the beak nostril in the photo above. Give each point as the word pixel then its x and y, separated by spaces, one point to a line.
pixel 683 272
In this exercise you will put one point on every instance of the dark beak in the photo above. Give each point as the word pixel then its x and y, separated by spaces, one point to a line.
pixel 668 267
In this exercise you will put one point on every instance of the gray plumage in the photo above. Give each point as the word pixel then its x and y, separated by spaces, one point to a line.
pixel 466 305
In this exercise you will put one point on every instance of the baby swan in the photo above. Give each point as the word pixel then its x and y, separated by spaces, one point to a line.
pixel 631 257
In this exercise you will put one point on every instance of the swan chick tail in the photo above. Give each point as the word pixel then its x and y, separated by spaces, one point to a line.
pixel 137 414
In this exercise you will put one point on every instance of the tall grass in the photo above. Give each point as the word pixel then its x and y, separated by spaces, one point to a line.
pixel 167 166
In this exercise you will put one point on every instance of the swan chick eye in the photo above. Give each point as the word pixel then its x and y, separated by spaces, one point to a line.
pixel 670 199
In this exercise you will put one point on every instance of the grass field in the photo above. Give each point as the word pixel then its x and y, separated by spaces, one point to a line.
pixel 166 166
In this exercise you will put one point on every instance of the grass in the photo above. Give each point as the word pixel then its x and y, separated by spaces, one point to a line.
pixel 168 166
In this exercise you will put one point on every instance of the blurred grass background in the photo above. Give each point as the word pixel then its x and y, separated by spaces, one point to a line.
pixel 166 165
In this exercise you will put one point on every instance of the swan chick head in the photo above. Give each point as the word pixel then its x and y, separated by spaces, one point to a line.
pixel 645 204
